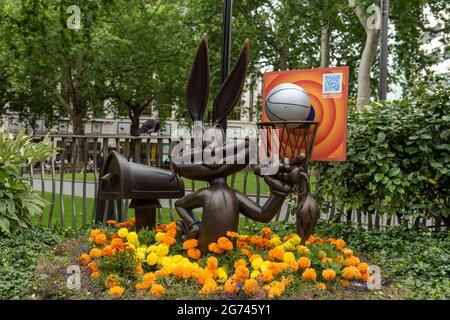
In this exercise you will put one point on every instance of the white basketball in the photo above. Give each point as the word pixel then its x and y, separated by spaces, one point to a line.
pixel 287 102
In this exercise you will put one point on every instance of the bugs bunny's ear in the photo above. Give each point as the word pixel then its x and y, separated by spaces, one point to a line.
pixel 197 88
pixel 232 88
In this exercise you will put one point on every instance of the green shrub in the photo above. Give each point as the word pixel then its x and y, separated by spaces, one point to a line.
pixel 398 158
pixel 18 201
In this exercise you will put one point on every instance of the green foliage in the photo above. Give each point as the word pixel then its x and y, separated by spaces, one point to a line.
pixel 415 260
pixel 398 157
pixel 18 201
pixel 18 259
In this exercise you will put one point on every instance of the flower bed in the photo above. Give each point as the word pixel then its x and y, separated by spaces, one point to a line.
pixel 261 265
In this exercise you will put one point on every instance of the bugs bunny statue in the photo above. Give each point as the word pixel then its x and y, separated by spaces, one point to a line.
pixel 220 203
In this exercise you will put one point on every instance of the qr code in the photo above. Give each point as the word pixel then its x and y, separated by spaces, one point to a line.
pixel 332 83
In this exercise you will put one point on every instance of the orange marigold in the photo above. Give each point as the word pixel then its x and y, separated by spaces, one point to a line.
pixel 142 285
pixel 309 274
pixel 214 248
pixel 190 244
pixel 194 253
pixel 232 234
pixel 139 269
pixel 225 243
pixel 93 267
pixel 352 261
pixel 95 275
pixel 347 252
pixel 149 277
pixel 230 286
pixel 170 241
pixel 328 274
pixel 250 286
pixel 241 274
pixel 94 233
pixel 133 220
pixel 276 268
pixel 95 253
pixel 157 290
pixel 351 272
pixel 117 243
pixel 266 232
pixel 245 252
pixel 116 291
pixel 321 286
pixel 363 267
pixel 293 265
pixel 275 254
pixel 85 259
pixel 345 283
pixel 209 287
pixel 340 243
pixel 112 280
pixel 108 251
pixel 304 262
pixel 266 276
pixel 253 257
pixel 100 239
pixel 111 222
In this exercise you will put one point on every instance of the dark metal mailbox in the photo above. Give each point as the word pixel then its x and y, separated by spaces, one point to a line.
pixel 144 185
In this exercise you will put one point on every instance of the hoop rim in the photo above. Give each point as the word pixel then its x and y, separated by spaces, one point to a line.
pixel 267 123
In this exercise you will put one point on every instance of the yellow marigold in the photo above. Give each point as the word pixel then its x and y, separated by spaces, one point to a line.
pixel 328 274
pixel 254 274
pixel 302 250
pixel 194 253
pixel 253 257
pixel 266 276
pixel 363 267
pixel 93 267
pixel 352 261
pixel 111 222
pixel 94 233
pixel 351 272
pixel 321 286
pixel 266 232
pixel 95 275
pixel 116 291
pixel 157 290
pixel 288 256
pixel 222 275
pixel 250 286
pixel 214 248
pixel 257 263
pixel 241 274
pixel 162 250
pixel 225 243
pixel 347 252
pixel 209 287
pixel 190 244
pixel 123 232
pixel 304 262
pixel 85 259
pixel 152 259
pixel 100 239
pixel 159 235
pixel 309 274
pixel 112 280
pixel 132 237
pixel 340 244
pixel 108 251
pixel 230 286
pixel 240 262
pixel 232 234
pixel 276 254
pixel 295 239
pixel 275 241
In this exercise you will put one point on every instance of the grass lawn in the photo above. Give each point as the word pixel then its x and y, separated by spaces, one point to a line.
pixel 238 183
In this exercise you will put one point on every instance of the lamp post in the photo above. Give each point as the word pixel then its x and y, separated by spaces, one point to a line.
pixel 226 44
pixel 384 49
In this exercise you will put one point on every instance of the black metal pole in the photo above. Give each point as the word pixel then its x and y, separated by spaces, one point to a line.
pixel 226 44
pixel 384 50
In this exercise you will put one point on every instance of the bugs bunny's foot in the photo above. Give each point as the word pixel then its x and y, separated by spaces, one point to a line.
pixel 182 229
pixel 194 230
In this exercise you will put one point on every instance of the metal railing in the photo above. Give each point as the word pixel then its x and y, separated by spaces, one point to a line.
pixel 71 186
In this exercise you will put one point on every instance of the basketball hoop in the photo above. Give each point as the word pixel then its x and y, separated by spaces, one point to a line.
pixel 296 139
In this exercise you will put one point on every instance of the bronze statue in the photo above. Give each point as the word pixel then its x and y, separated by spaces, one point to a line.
pixel 220 203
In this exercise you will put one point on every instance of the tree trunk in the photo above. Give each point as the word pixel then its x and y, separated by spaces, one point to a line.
pixel 283 61
pixel 365 65
pixel 78 129
pixel 325 45
pixel 135 116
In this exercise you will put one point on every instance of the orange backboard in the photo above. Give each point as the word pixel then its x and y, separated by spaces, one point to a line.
pixel 327 89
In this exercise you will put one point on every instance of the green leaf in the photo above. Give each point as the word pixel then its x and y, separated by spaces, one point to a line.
pixel 378 177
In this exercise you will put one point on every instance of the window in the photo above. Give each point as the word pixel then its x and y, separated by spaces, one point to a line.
pixel 39 126
pixel 96 127
pixel 63 126
pixel 124 128
pixel 14 125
